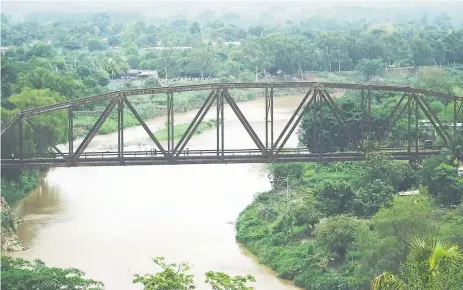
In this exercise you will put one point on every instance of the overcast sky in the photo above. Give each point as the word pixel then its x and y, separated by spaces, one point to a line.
pixel 21 8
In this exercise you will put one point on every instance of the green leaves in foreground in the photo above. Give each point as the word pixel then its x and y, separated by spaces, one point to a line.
pixel 431 265
pixel 221 281
pixel 19 274
pixel 176 277
pixel 172 277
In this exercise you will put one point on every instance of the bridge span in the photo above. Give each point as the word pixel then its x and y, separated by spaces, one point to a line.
pixel 413 103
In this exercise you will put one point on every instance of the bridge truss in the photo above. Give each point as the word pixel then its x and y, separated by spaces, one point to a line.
pixel 414 103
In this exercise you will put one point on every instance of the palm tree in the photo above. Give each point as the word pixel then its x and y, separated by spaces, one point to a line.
pixel 434 260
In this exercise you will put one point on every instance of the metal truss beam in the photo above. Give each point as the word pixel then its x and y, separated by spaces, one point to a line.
pixel 285 134
pixel 227 86
pixel 143 124
pixel 244 122
pixel 95 129
pixel 198 118
pixel 317 99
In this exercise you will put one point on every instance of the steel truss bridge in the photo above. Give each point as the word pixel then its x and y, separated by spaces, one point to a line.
pixel 413 102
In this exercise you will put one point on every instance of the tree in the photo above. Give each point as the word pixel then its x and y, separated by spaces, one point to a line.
pixel 442 181
pixel 337 233
pixel 431 264
pixel 452 227
pixel 96 44
pixel 47 128
pixel 370 68
pixel 306 213
pixel 281 174
pixel 172 277
pixel 336 197
pixel 176 277
pixel 433 79
pixel 387 246
pixel 20 274
pixel 222 281
pixel 195 28
pixel 372 197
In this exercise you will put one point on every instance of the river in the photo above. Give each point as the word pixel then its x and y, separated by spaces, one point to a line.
pixel 111 221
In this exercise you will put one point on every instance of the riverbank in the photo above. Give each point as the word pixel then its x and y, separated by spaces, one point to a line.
pixel 335 226
pixel 12 191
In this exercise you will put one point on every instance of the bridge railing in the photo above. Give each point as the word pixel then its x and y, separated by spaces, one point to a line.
pixel 198 153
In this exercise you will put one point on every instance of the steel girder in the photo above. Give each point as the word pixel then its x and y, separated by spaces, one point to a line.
pixel 316 99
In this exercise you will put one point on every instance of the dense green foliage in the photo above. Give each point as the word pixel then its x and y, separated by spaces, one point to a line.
pixel 324 226
pixel 430 264
pixel 177 277
pixel 20 274
pixel 339 225
pixel 336 135
pixel 103 45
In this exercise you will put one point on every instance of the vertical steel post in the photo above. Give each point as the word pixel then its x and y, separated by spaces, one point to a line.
pixel 409 104
pixel 21 133
pixel 222 107
pixel 322 100
pixel 315 120
pixel 269 119
pixel 416 124
pixel 217 121
pixel 271 123
pixel 170 123
pixel 369 112
pixel 454 118
pixel 121 128
pixel 266 118
pixel 362 107
pixel 71 132
pixel 220 125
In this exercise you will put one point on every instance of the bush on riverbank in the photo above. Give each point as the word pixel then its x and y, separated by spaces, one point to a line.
pixel 338 225
pixel 14 187
pixel 20 274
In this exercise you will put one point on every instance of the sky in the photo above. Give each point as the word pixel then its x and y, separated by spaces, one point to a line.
pixel 22 8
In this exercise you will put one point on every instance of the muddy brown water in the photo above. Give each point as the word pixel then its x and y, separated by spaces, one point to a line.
pixel 111 221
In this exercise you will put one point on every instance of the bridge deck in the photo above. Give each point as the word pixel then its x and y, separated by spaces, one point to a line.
pixel 149 157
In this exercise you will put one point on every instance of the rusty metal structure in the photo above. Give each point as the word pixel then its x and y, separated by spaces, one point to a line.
pixel 413 102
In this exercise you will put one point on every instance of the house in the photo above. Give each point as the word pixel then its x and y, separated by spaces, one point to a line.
pixel 3 49
pixel 148 73
pixel 138 73
pixel 411 192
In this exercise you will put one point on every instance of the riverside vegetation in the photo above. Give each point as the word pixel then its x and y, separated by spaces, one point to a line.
pixel 344 225
pixel 323 226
